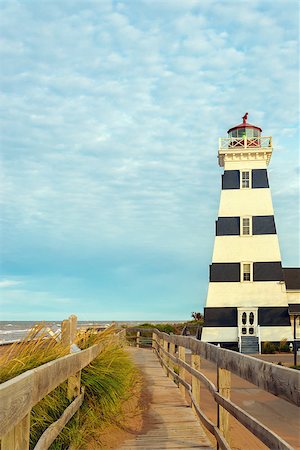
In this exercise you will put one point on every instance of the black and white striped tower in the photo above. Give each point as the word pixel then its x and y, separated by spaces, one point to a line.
pixel 246 301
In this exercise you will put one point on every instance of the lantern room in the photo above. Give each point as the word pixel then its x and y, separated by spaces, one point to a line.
pixel 244 130
pixel 244 141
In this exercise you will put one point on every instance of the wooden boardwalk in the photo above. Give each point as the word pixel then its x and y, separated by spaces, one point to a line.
pixel 170 422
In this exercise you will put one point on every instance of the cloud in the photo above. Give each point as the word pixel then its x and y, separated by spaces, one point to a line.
pixel 112 116
pixel 8 283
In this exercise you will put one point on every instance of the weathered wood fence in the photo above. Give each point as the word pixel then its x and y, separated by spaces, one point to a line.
pixel 20 394
pixel 277 380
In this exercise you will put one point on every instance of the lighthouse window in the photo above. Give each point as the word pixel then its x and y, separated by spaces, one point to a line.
pixel 241 132
pixel 245 179
pixel 246 226
pixel 246 272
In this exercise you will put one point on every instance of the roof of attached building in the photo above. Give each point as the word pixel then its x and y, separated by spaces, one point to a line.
pixel 292 278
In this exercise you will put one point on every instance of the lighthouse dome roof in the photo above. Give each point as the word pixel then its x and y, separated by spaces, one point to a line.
pixel 244 124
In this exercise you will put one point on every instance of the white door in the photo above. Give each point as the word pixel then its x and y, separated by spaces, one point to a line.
pixel 247 321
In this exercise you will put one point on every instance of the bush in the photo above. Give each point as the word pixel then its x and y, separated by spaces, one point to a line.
pixel 284 346
pixel 268 347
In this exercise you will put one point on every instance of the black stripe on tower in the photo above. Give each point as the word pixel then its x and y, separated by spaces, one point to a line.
pixel 273 316
pixel 231 272
pixel 220 317
pixel 231 179
pixel 268 316
pixel 230 226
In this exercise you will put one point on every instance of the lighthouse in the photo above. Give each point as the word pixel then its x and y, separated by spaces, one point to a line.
pixel 246 300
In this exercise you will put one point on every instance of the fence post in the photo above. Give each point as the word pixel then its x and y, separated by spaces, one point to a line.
pixel 172 352
pixel 74 380
pixel 73 328
pixel 17 438
pixel 65 333
pixel 158 346
pixel 138 335
pixel 196 364
pixel 166 358
pixel 154 341
pixel 181 355
pixel 224 384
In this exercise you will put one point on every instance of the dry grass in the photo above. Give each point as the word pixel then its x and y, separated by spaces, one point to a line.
pixel 109 382
pixel 34 350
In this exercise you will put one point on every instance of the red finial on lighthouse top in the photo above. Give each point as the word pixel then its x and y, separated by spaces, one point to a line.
pixel 244 125
pixel 245 117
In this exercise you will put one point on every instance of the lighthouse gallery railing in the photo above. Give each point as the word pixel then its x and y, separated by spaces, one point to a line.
pixel 245 142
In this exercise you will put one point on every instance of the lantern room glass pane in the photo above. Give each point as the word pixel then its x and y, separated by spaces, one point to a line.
pixel 241 132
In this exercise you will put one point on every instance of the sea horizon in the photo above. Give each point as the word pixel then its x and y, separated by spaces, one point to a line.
pixel 15 330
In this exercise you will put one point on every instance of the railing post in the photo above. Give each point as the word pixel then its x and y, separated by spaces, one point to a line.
pixel 158 347
pixel 73 328
pixel 172 352
pixel 18 437
pixel 181 355
pixel 166 358
pixel 74 380
pixel 196 364
pixel 224 384
pixel 65 333
pixel 138 334
pixel 154 341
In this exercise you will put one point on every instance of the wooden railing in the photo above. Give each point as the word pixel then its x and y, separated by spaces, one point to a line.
pixel 20 394
pixel 277 380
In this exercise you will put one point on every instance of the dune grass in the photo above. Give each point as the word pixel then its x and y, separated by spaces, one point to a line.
pixel 109 381
pixel 35 349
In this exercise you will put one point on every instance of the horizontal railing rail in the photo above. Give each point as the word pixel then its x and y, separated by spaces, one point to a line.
pixel 277 380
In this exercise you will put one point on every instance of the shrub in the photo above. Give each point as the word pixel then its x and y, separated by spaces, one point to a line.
pixel 268 347
pixel 284 346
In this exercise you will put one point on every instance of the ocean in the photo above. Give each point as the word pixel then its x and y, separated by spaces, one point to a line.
pixel 11 331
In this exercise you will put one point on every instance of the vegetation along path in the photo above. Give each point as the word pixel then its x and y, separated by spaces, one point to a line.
pixel 170 423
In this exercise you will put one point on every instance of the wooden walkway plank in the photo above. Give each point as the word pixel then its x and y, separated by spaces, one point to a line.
pixel 170 422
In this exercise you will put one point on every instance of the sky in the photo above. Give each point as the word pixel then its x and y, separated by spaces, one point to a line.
pixel 110 119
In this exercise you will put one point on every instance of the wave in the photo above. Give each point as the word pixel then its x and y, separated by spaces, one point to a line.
pixel 24 330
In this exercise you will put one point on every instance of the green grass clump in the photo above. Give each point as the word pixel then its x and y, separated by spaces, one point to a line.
pixel 109 381
pixel 34 350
